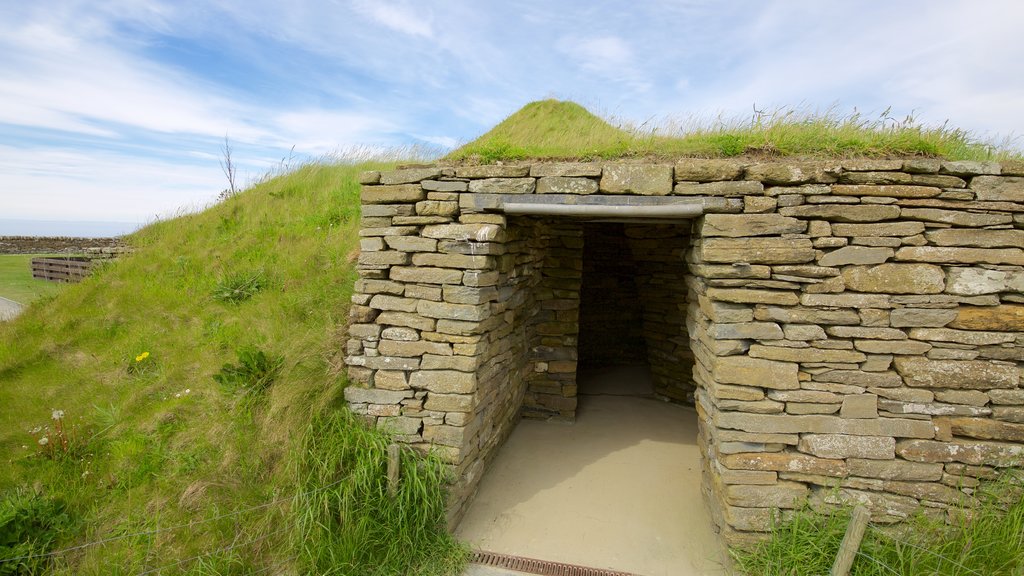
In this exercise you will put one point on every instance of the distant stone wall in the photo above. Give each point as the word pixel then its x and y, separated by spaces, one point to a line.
pixel 850 331
pixel 58 245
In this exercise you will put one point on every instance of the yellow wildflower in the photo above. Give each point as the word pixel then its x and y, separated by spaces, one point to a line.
pixel 142 357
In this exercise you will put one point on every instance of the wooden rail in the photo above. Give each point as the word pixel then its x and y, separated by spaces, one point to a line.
pixel 62 269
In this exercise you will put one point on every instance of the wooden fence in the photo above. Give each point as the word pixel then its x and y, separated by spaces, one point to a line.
pixel 62 269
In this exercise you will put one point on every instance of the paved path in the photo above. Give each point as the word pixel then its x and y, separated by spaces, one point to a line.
pixel 619 489
pixel 9 309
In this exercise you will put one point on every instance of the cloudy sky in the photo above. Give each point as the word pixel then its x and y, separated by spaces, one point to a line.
pixel 117 110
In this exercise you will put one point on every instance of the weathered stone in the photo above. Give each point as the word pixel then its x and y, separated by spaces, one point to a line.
pixel 743 225
pixel 1009 414
pixel 837 213
pixel 409 175
pixel 925 491
pixel 369 177
pixel 745 296
pixel 956 217
pixel 449 402
pixel 411 244
pixel 793 172
pixel 759 204
pixel 823 424
pixel 894 278
pixel 464 261
pixel 976 238
pixel 566 185
pixel 729 188
pixel 931 408
pixel 866 332
pixel 804 332
pixel 900 229
pixel 730 392
pixel 951 255
pixel 986 429
pixel 925 373
pixel 384 258
pixel 751 330
pixel 843 446
pixel 443 381
pixel 818 396
pixel 374 396
pixel 975 281
pixel 471 232
pixel 967 397
pixel 895 469
pixel 896 191
pixel 444 186
pixel 767 250
pixel 1012 397
pixel 863 379
pixel 1006 317
pixel 388 231
pixel 756 372
pixel 503 186
pixel 390 380
pixel 386 362
pixel 926 317
pixel 393 303
pixel 755 477
pixel 800 408
pixel 859 406
pixel 492 171
pixel 417 348
pixel 778 495
pixel 448 311
pixel 856 255
pixel 785 462
pixel 701 170
pixel 751 407
pixel 799 315
pixel 847 300
pixel 964 451
pixel 962 336
pixel 406 319
pixel 644 179
pixel 402 193
pixel 566 169
pixel 805 354
pixel 425 275
pixel 998 188
pixel 892 347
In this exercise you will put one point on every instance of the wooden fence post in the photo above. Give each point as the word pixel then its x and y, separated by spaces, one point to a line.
pixel 851 542
pixel 394 463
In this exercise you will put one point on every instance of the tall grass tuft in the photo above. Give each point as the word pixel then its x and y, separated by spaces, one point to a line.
pixel 982 538
pixel 348 523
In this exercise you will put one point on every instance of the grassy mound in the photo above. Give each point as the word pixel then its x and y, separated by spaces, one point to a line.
pixel 180 412
pixel 565 130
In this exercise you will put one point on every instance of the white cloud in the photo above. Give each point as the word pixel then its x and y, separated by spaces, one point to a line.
pixel 401 18
pixel 609 57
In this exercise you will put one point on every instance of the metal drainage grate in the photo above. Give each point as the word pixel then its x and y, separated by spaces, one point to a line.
pixel 541 567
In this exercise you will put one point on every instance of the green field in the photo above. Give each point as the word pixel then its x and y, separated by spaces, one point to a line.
pixel 17 283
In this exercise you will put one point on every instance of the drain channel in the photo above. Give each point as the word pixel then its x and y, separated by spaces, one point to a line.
pixel 540 567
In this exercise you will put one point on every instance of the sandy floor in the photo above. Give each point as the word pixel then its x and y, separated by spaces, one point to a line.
pixel 9 309
pixel 619 489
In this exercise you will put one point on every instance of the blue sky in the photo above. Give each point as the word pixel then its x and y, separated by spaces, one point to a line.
pixel 117 110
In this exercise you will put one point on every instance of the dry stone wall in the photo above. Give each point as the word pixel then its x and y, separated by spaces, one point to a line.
pixel 849 330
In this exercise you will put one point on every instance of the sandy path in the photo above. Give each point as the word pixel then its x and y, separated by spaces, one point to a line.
pixel 619 489
pixel 9 309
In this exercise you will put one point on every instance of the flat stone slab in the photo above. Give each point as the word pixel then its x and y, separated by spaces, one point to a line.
pixel 9 309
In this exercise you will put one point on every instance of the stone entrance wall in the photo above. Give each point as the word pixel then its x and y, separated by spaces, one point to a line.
pixel 855 326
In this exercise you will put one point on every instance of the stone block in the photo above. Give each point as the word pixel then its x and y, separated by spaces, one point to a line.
pixel 888 191
pixel 743 225
pixel 804 332
pixel 643 179
pixel 981 238
pixel 566 185
pixel 390 380
pixel 444 186
pixel 393 303
pixel 956 374
pixel 900 229
pixel 866 332
pixel 954 255
pixel 955 217
pixel 371 244
pixel 411 244
pixel 793 172
pixel 986 429
pixel 402 193
pixel 1007 397
pixel 729 188
pixel 747 330
pixel 962 336
pixel 895 469
pixel 998 188
pixel 824 424
pixel 895 278
pixel 424 275
pixel 756 372
pixel 400 425
pixel 841 446
pixel 410 349
pixel 856 255
pixel 801 315
pixel 449 403
pixel 443 381
pixel 859 406
pixel 779 495
pixel 767 250
pixel 369 177
pixel 805 354
pixel 921 317
pixel 712 170
pixel 976 281
pixel 449 311
pixel 445 435
pixel 479 232
pixel 375 396
pixel 748 296
pixel 847 300
pixel 976 453
pixel 785 462
pixel 843 213
pixel 1005 317
pixel 409 175
pixel 462 261
pixel 1009 414
pixel 406 319
pixel 892 347
pixel 383 258
pixel 437 208
pixel 492 171
pixel 755 477
pixel 566 169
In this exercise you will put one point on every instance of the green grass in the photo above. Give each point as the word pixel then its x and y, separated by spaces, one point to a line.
pixel 550 129
pixel 17 283
pixel 178 472
pixel 986 538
